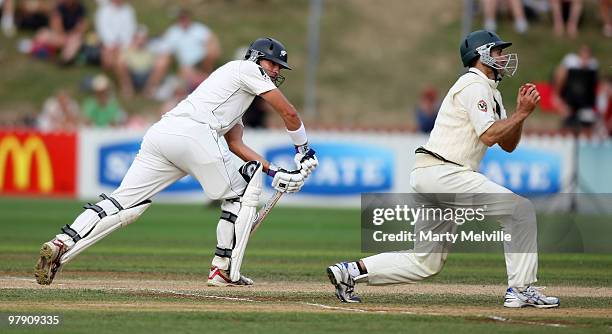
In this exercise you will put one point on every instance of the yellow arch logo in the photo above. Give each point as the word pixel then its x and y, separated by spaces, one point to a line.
pixel 23 154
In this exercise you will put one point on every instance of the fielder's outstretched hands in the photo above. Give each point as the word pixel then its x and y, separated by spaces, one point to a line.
pixel 527 99
pixel 305 160
pixel 286 181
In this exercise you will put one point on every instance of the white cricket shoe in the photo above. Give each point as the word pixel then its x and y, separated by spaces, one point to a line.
pixel 531 296
pixel 220 277
pixel 49 262
pixel 345 285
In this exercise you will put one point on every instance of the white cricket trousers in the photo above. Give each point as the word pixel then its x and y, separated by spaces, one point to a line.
pixel 173 148
pixel 516 216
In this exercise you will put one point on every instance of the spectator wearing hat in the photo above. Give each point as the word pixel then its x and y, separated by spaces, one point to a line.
pixel 102 109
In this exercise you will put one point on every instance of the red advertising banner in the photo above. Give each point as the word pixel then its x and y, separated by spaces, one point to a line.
pixel 35 163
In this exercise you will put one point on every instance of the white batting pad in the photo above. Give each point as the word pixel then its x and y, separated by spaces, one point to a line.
pixel 245 220
pixel 105 227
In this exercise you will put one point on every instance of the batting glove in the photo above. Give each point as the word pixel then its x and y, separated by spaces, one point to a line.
pixel 284 180
pixel 305 160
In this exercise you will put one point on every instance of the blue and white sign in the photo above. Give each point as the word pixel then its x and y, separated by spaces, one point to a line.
pixel 351 163
pixel 115 159
pixel 344 168
pixel 526 171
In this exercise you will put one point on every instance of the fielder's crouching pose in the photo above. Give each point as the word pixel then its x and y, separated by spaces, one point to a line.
pixel 186 141
pixel 471 119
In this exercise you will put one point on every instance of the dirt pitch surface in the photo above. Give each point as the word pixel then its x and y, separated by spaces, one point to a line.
pixel 194 296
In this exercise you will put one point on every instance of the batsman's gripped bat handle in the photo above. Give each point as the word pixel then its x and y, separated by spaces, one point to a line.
pixel 265 210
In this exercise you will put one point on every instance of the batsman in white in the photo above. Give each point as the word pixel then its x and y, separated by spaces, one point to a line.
pixel 187 141
pixel 471 119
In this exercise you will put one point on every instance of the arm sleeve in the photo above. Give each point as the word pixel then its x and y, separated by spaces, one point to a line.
pixel 255 79
pixel 479 105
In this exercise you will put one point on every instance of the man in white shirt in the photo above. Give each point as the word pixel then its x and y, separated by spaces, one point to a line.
pixel 115 25
pixel 471 119
pixel 194 47
pixel 188 140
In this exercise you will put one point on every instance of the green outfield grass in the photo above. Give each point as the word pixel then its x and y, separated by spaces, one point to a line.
pixel 176 242
pixel 258 322
pixel 296 244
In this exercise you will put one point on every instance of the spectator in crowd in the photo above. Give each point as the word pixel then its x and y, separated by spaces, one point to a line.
pixel 103 109
pixel 604 104
pixel 32 15
pixel 25 15
pixel 68 24
pixel 427 109
pixel 115 26
pixel 516 6
pixel 606 16
pixel 195 48
pixel 566 16
pixel 574 86
pixel 59 113
pixel 135 64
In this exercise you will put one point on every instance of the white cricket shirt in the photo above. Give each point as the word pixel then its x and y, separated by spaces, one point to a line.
pixel 221 99
pixel 467 111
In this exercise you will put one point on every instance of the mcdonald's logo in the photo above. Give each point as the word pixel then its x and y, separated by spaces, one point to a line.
pixel 23 153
